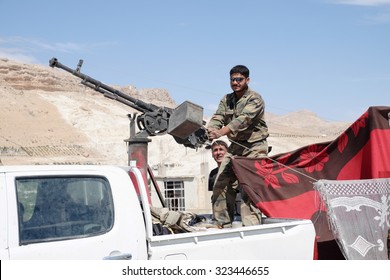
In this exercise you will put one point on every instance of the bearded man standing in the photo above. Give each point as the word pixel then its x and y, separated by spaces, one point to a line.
pixel 240 116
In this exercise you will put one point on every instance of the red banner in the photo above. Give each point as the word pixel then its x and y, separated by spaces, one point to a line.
pixel 282 185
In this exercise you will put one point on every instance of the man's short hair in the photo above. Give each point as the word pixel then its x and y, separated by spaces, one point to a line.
pixel 217 143
pixel 241 69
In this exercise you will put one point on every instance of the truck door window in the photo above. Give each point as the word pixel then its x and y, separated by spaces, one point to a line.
pixel 174 195
pixel 57 208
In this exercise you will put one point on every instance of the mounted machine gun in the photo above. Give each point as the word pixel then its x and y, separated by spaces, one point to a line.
pixel 184 123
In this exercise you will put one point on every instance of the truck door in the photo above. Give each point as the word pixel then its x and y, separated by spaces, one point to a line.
pixel 3 220
pixel 70 217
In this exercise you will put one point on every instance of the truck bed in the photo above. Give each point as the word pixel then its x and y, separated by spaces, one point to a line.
pixel 274 239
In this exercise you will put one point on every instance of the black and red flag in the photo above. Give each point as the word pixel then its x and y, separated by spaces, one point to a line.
pixel 282 185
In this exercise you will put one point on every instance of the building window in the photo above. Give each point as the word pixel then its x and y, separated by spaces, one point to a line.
pixel 174 195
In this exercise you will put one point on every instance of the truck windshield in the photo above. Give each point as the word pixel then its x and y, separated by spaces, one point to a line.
pixel 56 208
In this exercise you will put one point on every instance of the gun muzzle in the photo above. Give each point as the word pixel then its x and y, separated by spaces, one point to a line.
pixel 53 62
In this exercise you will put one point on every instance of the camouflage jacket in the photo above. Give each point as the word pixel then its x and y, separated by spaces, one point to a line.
pixel 244 117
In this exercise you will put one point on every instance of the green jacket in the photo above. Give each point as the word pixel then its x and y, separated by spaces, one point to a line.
pixel 244 117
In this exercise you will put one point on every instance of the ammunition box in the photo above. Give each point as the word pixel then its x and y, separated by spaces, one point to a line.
pixel 185 119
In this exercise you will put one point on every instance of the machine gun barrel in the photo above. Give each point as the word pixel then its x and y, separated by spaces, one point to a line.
pixel 106 90
pixel 184 123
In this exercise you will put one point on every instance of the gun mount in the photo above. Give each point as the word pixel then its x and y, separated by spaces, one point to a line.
pixel 184 123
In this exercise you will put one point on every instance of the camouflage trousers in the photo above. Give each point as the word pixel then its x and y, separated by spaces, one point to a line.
pixel 226 186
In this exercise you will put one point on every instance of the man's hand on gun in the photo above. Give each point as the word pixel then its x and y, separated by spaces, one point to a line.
pixel 214 133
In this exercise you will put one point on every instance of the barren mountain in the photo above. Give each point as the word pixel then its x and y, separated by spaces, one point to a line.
pixel 47 116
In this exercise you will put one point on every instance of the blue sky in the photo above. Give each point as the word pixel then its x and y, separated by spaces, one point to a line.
pixel 331 57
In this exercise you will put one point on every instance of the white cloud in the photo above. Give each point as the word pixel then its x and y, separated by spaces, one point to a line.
pixel 383 15
pixel 363 2
pixel 24 49
pixel 17 55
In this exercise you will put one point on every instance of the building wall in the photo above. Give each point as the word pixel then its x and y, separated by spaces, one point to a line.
pixel 170 162
pixel 196 196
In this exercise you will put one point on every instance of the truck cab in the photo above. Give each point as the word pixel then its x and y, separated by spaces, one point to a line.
pixel 69 212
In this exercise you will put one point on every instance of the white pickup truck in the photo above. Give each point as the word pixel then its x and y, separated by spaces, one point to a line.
pixel 95 212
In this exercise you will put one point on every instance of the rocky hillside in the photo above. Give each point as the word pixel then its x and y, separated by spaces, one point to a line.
pixel 48 117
